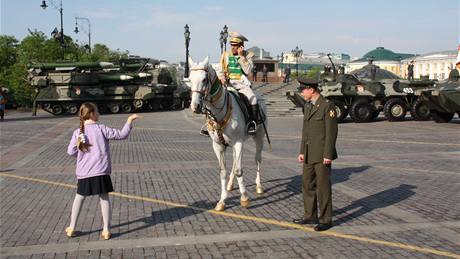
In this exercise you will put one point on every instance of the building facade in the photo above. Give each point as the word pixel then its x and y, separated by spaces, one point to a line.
pixel 384 58
pixel 436 65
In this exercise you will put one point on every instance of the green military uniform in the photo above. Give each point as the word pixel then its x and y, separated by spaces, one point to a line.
pixel 319 136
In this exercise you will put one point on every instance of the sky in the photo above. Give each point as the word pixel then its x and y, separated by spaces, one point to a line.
pixel 155 28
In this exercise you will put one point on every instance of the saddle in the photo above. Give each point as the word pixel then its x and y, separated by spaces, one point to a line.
pixel 245 105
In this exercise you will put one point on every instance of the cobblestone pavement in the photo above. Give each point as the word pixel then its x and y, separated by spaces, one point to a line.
pixel 396 190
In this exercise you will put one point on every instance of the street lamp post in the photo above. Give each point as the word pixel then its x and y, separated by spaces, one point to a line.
pixel 87 32
pixel 221 41
pixel 297 53
pixel 225 36
pixel 187 42
pixel 60 9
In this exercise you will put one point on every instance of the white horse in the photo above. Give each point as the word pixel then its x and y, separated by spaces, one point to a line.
pixel 226 125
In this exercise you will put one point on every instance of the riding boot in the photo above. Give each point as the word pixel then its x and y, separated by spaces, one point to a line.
pixel 204 131
pixel 252 127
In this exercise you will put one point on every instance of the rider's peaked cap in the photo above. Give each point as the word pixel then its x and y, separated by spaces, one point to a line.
pixel 237 38
pixel 305 83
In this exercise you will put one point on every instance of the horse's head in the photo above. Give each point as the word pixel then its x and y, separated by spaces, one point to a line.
pixel 199 83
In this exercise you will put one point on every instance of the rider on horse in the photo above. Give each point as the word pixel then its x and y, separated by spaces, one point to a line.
pixel 236 66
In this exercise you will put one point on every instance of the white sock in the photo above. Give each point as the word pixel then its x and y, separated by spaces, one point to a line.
pixel 106 210
pixel 76 207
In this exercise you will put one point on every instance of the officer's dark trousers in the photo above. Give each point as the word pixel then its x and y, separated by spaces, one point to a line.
pixel 316 189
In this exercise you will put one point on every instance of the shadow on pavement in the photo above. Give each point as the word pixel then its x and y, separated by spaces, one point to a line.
pixel 168 215
pixel 375 201
pixel 293 185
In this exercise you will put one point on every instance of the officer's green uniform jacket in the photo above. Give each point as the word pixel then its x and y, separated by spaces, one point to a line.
pixel 319 132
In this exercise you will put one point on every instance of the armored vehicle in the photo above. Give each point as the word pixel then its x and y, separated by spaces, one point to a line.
pixel 365 92
pixel 443 101
pixel 133 84
pixel 398 96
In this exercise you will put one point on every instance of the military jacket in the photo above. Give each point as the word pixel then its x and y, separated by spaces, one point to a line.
pixel 319 132
pixel 234 66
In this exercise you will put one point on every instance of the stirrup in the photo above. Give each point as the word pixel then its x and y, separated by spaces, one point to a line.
pixel 252 130
pixel 204 133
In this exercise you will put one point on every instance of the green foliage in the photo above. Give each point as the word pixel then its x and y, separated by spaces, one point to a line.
pixel 36 47
pixel 312 73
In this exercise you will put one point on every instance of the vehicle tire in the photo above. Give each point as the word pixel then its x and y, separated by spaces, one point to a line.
pixel 395 109
pixel 441 117
pixel 114 107
pixel 56 109
pixel 340 110
pixel 361 111
pixel 420 111
pixel 126 108
pixel 72 109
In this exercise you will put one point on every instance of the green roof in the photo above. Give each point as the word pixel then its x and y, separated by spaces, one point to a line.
pixel 382 54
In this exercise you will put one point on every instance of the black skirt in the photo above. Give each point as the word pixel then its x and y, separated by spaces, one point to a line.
pixel 94 185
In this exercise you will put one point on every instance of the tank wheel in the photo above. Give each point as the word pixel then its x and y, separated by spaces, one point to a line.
pixel 340 110
pixel 361 111
pixel 46 106
pixel 138 103
pixel 395 109
pixel 56 109
pixel 126 108
pixel 441 117
pixel 114 107
pixel 420 111
pixel 72 109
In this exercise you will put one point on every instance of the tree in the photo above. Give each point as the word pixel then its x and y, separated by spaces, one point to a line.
pixel 8 51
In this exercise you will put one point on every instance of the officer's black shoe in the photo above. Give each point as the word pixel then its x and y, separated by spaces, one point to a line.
pixel 305 221
pixel 252 128
pixel 322 227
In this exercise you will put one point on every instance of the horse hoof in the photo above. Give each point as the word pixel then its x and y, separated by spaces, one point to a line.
pixel 259 190
pixel 220 206
pixel 244 203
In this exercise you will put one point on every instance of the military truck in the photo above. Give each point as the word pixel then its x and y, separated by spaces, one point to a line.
pixel 132 85
pixel 443 100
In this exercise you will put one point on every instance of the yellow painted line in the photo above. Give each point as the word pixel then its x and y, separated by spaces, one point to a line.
pixel 257 219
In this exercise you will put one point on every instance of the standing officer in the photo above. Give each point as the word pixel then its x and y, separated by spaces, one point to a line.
pixel 317 151
pixel 410 71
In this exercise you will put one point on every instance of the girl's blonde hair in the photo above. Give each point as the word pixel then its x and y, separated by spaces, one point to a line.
pixel 86 109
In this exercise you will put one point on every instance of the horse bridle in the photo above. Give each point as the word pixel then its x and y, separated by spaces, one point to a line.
pixel 205 92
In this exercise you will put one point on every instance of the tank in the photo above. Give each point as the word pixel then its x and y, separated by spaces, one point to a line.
pixel 443 100
pixel 133 84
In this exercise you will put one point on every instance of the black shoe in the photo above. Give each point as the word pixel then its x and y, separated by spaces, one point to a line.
pixel 322 227
pixel 305 221
pixel 204 132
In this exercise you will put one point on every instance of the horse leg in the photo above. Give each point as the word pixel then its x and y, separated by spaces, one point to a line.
pixel 238 170
pixel 232 175
pixel 259 139
pixel 220 153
